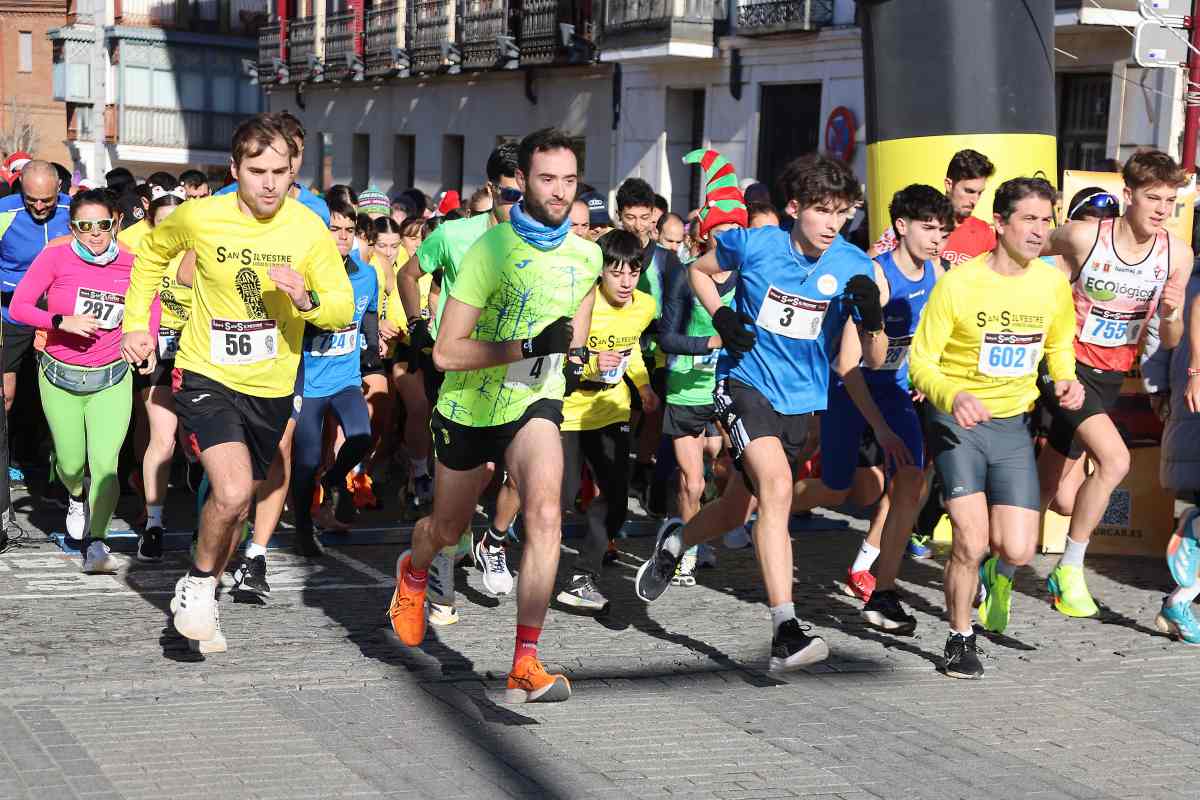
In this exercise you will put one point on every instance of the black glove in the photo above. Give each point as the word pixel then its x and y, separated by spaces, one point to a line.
pixel 731 327
pixel 574 374
pixel 418 341
pixel 554 338
pixel 862 294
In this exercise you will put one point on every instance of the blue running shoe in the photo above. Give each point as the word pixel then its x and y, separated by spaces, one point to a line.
pixel 1183 551
pixel 15 475
pixel 918 546
pixel 1178 622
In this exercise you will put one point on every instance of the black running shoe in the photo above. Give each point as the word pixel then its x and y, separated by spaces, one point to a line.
pixel 150 545
pixel 884 612
pixel 655 574
pixel 251 577
pixel 793 648
pixel 962 658
pixel 308 545
pixel 343 504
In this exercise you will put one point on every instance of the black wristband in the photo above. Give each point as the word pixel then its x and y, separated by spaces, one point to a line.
pixel 56 321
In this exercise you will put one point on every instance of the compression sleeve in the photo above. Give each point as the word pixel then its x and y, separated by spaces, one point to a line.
pixel 1060 338
pixel 677 303
pixel 924 359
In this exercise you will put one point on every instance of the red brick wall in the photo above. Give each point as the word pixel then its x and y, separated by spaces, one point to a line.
pixel 34 90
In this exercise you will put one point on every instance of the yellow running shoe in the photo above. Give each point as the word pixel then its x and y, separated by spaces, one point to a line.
pixel 993 611
pixel 1069 592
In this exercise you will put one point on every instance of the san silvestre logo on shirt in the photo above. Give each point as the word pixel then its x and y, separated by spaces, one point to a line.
pixel 1007 319
pixel 247 257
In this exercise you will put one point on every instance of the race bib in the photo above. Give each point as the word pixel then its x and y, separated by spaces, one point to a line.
pixel 1108 328
pixel 243 341
pixel 532 372
pixel 168 344
pixel 897 352
pixel 335 343
pixel 706 362
pixel 613 376
pixel 1009 355
pixel 107 307
pixel 791 315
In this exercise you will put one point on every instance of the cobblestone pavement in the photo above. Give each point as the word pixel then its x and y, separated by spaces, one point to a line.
pixel 315 698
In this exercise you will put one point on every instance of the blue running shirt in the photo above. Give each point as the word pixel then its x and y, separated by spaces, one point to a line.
pixel 331 358
pixel 799 312
pixel 900 317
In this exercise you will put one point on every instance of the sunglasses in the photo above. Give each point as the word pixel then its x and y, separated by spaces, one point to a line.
pixel 1095 200
pixel 86 225
pixel 510 195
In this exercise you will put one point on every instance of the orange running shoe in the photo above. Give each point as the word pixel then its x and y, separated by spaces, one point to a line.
pixel 407 610
pixel 530 683
pixel 860 584
pixel 363 487
pixel 317 498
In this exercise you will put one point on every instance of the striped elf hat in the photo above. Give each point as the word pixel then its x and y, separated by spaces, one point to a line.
pixel 723 200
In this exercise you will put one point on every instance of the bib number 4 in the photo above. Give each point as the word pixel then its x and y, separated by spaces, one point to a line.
pixel 531 373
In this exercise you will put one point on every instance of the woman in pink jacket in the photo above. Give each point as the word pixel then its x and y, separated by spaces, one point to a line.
pixel 86 387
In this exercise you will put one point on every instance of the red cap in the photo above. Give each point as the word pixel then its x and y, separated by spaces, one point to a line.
pixel 17 161
pixel 448 202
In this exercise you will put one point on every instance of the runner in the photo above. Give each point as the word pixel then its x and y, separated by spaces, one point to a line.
pixel 595 427
pixel 264 267
pixel 332 384
pixel 1122 271
pixel 28 222
pixel 156 422
pixel 579 218
pixel 761 215
pixel 799 290
pixel 84 383
pixel 975 355
pixel 195 184
pixel 671 231
pixel 691 344
pixel 502 397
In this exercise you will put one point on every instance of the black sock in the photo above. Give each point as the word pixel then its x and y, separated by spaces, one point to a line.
pixel 496 538
pixel 196 572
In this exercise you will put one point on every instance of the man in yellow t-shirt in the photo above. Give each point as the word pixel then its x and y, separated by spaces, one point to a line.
pixel 595 425
pixel 265 267
pixel 985 329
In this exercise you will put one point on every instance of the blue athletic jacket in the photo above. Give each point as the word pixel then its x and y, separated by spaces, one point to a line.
pixel 21 239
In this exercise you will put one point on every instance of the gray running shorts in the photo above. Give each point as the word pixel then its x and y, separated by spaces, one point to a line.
pixel 995 457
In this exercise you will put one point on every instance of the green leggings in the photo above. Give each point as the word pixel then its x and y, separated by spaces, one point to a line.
pixel 88 430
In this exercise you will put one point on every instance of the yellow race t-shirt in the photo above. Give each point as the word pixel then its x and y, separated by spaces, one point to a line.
pixel 520 290
pixel 391 307
pixel 985 333
pixel 132 236
pixel 612 328
pixel 242 331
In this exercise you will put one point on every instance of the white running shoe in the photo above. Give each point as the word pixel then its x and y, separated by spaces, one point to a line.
pixel 685 573
pixel 77 517
pixel 439 595
pixel 493 561
pixel 195 608
pixel 99 560
pixel 216 644
pixel 737 539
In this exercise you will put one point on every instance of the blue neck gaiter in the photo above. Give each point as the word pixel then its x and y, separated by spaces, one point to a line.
pixel 102 260
pixel 534 233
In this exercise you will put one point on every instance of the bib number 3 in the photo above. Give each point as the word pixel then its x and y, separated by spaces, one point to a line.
pixel 531 373
pixel 791 315
pixel 238 342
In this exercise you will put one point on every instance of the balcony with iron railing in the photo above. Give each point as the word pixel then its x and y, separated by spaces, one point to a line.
pixel 482 22
pixel 301 43
pixel 156 13
pixel 385 29
pixel 659 28
pixel 431 25
pixel 758 17
pixel 170 127
pixel 339 45
pixel 268 51
pixel 540 33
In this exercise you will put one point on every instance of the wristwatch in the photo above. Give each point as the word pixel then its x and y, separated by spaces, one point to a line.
pixel 314 299
pixel 56 321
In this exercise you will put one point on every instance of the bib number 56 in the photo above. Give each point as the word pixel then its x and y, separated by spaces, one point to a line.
pixel 238 344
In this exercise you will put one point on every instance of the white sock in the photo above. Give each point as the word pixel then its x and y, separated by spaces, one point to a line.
pixel 781 614
pixel 1182 595
pixel 965 634
pixel 1006 569
pixel 865 558
pixel 254 550
pixel 420 467
pixel 154 516
pixel 1073 554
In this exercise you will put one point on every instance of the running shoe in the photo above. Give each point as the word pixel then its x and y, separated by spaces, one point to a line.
pixel 860 584
pixel 1178 622
pixel 323 516
pixel 655 574
pixel 345 509
pixel 362 486
pixel 918 546
pixel 706 557
pixel 195 607
pixel 961 659
pixel 530 683
pixel 581 592
pixel 737 539
pixel 308 544
pixel 792 647
pixel 493 562
pixel 216 644
pixel 77 517
pixel 612 554
pixel 150 545
pixel 685 571
pixel 251 577
pixel 1069 593
pixel 465 546
pixel 407 609
pixel 440 595
pixel 884 612
pixel 1183 551
pixel 993 611
pixel 99 560
pixel 15 475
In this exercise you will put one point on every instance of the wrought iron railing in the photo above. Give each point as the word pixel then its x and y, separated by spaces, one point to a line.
pixel 431 24
pixel 482 22
pixel 268 51
pixel 386 27
pixel 339 43
pixel 624 14
pixel 777 16
pixel 302 42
